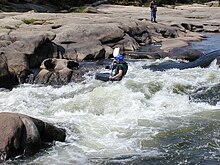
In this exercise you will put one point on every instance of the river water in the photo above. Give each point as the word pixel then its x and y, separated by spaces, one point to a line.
pixel 147 118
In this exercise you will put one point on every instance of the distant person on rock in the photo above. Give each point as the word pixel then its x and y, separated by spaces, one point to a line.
pixel 153 8
pixel 119 69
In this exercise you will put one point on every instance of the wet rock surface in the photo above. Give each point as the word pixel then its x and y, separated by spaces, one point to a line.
pixel 203 61
pixel 25 135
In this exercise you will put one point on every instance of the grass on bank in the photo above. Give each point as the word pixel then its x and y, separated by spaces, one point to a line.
pixel 33 21
pixel 78 9
pixel 28 21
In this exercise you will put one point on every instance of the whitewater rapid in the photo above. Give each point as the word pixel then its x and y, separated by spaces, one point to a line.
pixel 113 119
pixel 146 117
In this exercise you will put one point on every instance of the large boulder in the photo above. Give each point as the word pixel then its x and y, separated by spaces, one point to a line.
pixel 128 43
pixel 21 134
pixel 86 41
pixel 25 51
pixel 56 71
pixel 185 54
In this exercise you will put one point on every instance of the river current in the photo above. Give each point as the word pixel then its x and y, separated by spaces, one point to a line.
pixel 147 118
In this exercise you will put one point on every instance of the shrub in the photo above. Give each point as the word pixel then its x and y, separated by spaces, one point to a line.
pixel 28 21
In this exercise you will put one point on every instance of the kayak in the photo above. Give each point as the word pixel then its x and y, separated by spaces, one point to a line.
pixel 105 77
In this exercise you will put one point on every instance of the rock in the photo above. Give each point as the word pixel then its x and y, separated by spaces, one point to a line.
pixel 48 49
pixel 31 137
pixel 203 61
pixel 207 94
pixel 29 40
pixel 56 71
pixel 81 42
pixel 88 51
pixel 11 137
pixel 168 32
pixel 108 51
pixel 93 10
pixel 42 77
pixel 8 78
pixel 187 26
pixel 21 134
pixel 184 54
pixel 145 55
pixel 169 44
pixel 128 43
pixel 211 29
pixel 181 28
pixel 24 52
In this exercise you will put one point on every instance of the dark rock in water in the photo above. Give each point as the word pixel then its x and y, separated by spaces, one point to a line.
pixel 145 55
pixel 210 95
pixel 56 71
pixel 204 61
pixel 8 79
pixel 21 134
pixel 185 54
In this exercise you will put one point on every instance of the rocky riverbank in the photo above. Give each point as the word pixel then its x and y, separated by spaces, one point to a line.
pixel 49 48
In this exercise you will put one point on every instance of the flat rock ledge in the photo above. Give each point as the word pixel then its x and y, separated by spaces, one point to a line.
pixel 30 38
pixel 25 135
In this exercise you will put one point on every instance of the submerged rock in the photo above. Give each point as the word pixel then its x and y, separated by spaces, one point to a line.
pixel 207 94
pixel 203 61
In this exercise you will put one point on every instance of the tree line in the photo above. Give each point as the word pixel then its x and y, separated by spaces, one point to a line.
pixel 161 2
pixel 70 3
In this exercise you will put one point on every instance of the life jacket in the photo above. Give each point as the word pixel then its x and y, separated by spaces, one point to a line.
pixel 124 66
pixel 153 6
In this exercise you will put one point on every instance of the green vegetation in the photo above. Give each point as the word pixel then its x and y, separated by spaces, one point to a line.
pixel 78 10
pixel 34 21
pixel 7 27
pixel 28 21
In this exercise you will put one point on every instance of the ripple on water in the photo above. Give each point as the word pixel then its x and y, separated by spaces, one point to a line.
pixel 145 118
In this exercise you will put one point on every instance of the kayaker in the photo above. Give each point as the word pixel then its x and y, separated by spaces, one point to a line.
pixel 119 69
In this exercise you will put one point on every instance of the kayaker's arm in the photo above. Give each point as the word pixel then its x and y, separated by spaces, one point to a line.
pixel 120 73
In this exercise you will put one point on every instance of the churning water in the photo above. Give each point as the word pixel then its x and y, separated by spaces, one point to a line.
pixel 147 118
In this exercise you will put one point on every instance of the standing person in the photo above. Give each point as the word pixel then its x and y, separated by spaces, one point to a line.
pixel 153 8
pixel 119 69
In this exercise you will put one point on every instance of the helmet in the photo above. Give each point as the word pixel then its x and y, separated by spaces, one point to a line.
pixel 119 58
